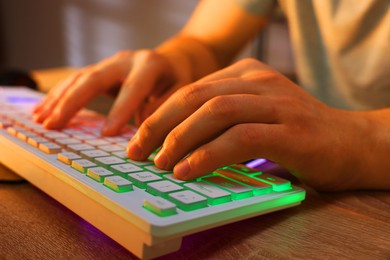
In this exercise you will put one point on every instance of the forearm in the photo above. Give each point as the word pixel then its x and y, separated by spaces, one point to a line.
pixel 189 56
pixel 212 37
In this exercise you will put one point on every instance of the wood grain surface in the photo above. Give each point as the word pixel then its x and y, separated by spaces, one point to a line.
pixel 349 225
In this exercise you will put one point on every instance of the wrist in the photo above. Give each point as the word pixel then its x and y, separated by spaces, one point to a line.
pixel 189 57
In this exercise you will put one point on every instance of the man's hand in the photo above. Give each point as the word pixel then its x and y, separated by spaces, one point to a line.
pixel 247 111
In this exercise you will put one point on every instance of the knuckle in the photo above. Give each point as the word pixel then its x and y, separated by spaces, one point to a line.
pixel 245 135
pixel 146 131
pixel 192 95
pixel 250 63
pixel 173 139
pixel 222 106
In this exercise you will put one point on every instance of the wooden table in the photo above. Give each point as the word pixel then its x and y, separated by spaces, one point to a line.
pixel 346 225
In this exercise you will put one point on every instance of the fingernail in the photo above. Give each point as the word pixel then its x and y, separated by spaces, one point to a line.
pixel 182 169
pixel 161 160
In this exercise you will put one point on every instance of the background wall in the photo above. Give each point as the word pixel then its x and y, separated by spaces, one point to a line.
pixel 45 33
pixel 38 34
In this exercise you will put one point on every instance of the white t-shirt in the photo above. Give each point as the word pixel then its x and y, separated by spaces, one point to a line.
pixel 341 48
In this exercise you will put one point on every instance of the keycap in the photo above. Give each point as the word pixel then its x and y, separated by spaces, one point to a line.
pixel 237 190
pixel 36 140
pixel 118 184
pixel 97 142
pixel 50 148
pixel 110 148
pixel 125 168
pixel 160 206
pixel 82 165
pixel 92 154
pixel 140 179
pixel 77 148
pixel 172 178
pixel 156 170
pixel 68 157
pixel 259 187
pixel 24 135
pixel 108 160
pixel 215 195
pixel 67 141
pixel 240 168
pixel 188 200
pixel 98 173
pixel 162 188
pixel 278 184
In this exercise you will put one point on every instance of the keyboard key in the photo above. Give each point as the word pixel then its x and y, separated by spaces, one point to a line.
pixel 172 178
pixel 237 190
pixel 240 168
pixel 24 135
pixel 162 188
pixel 160 206
pixel 68 157
pixel 82 165
pixel 125 168
pixel 140 179
pixel 188 200
pixel 108 160
pixel 55 135
pixel 156 170
pixel 215 195
pixel 36 140
pixel 97 142
pixel 278 184
pixel 121 154
pixel 77 148
pixel 110 148
pixel 140 163
pixel 92 154
pixel 259 187
pixel 67 141
pixel 50 148
pixel 118 184
pixel 98 173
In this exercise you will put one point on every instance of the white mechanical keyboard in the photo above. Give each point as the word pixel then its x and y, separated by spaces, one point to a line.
pixel 143 208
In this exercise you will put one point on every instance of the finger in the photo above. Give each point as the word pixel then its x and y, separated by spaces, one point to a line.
pixel 240 143
pixel 153 103
pixel 176 109
pixel 43 110
pixel 92 82
pixel 211 120
pixel 148 69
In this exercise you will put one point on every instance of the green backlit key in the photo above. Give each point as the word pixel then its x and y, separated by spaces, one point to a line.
pixel 98 173
pixel 162 188
pixel 243 169
pixel 214 195
pixel 118 184
pixel 140 179
pixel 125 168
pixel 82 165
pixel 160 206
pixel 188 200
pixel 237 190
pixel 259 187
pixel 68 157
pixel 278 184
